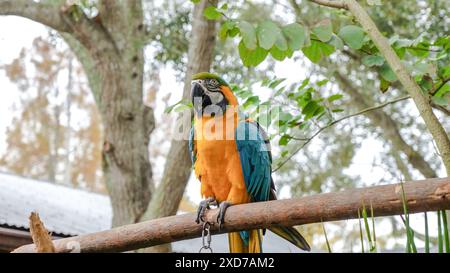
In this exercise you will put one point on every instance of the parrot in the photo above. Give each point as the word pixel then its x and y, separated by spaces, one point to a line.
pixel 231 158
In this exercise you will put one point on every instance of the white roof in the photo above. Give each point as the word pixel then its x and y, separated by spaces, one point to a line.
pixel 63 210
pixel 71 211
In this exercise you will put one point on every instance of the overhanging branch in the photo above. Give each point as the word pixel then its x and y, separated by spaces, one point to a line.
pixel 44 13
pixel 424 195
pixel 62 17
pixel 339 4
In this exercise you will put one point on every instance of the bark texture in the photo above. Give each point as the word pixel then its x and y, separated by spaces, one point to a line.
pixel 425 195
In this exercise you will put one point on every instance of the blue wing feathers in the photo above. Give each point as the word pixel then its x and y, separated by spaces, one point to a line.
pixel 255 158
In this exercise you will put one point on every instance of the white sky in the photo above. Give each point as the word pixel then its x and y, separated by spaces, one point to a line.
pixel 16 33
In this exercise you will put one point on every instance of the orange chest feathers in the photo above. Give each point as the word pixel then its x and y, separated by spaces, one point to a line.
pixel 218 164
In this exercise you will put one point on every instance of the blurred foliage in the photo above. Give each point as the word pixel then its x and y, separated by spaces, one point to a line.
pixel 42 141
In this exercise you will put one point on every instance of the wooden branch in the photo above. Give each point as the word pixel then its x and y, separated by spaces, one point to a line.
pixel 425 195
pixel 40 235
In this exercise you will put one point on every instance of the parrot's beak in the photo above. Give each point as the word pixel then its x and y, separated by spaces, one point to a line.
pixel 198 96
pixel 197 89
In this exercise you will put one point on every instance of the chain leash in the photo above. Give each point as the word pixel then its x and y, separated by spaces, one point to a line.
pixel 206 238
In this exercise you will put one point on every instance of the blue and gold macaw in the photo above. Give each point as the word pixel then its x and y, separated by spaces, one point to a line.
pixel 232 159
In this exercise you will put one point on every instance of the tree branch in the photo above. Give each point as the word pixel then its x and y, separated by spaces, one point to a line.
pixel 41 12
pixel 386 200
pixel 308 140
pixel 331 3
pixel 422 102
pixel 63 18
pixel 441 108
pixel 389 127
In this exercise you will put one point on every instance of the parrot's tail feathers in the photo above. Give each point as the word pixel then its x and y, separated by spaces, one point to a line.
pixel 252 245
pixel 236 243
pixel 255 241
pixel 292 235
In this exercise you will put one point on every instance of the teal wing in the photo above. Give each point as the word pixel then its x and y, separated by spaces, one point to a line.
pixel 192 149
pixel 254 151
pixel 256 159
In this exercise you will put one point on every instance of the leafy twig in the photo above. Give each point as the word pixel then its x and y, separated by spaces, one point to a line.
pixel 308 140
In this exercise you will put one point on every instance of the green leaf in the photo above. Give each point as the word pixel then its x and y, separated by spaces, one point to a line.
pixel 253 100
pixel 171 107
pixel 336 42
pixel 322 82
pixel 353 36
pixel 310 109
pixel 387 73
pixel 248 34
pixel 211 13
pixel 418 52
pixel 226 29
pixel 277 54
pixel 317 50
pixel 443 90
pixel 281 42
pixel 284 140
pixel 334 97
pixel 183 107
pixel 276 82
pixel 304 83
pixel 444 101
pixel 224 6
pixel 285 117
pixel 251 57
pixel 267 32
pixel 323 30
pixel 295 34
pixel 384 84
pixel 373 60
pixel 195 1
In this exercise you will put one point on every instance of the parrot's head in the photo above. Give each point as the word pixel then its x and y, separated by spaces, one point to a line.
pixel 210 94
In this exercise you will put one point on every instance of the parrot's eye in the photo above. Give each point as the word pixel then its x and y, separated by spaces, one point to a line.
pixel 213 82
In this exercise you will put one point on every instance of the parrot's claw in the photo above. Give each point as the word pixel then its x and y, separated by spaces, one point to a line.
pixel 221 216
pixel 204 205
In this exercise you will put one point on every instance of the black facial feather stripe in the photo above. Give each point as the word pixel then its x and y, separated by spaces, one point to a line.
pixel 212 85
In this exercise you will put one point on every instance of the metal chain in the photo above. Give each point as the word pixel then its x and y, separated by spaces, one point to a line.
pixel 206 234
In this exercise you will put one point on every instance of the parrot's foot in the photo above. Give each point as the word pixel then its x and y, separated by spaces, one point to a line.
pixel 204 205
pixel 221 216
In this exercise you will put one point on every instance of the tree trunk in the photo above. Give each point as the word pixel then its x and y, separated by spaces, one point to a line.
pixel 177 170
pixel 127 121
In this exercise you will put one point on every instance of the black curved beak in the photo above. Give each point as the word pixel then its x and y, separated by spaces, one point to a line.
pixel 198 97
pixel 196 91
